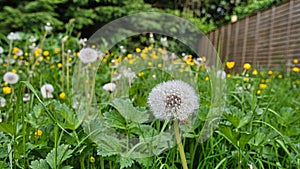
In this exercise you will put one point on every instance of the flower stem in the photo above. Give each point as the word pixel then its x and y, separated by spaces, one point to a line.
pixel 180 146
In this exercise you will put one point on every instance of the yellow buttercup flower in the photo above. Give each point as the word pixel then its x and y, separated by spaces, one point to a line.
pixel 14 71
pixel 230 65
pixel 38 133
pixel 258 92
pixel 295 61
pixel 62 95
pixel 138 50
pixel 280 76
pixel 7 90
pixel 56 50
pixel 255 72
pixel 59 65
pixel 206 78
pixel 15 57
pixel 247 66
pixel 246 79
pixel 16 50
pixel 296 69
pixel 140 74
pixel 150 64
pixel 262 86
pixel 270 72
pixel 228 75
pixel 46 53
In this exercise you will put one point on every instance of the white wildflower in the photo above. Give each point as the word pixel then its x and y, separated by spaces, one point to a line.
pixel 47 90
pixel 221 74
pixel 13 36
pixel 173 99
pixel 11 78
pixel 20 52
pixel 122 49
pixel 110 87
pixel 2 102
pixel 88 55
pixel 48 27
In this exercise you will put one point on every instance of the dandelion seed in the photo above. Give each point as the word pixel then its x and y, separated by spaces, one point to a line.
pixel 13 36
pixel 88 55
pixel 2 102
pixel 47 90
pixel 11 78
pixel 110 87
pixel 173 99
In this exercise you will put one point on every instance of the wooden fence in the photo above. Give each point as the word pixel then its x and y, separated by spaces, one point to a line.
pixel 269 38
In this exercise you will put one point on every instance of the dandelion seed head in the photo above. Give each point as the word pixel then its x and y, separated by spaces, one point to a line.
pixel 2 102
pixel 11 78
pixel 47 90
pixel 88 55
pixel 173 99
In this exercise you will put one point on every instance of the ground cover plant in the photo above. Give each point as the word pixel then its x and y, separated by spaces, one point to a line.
pixel 40 128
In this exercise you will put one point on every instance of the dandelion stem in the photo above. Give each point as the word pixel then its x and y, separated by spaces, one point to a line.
pixel 180 146
pixel 9 53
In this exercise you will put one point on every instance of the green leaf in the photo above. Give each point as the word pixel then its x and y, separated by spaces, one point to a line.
pixel 125 162
pixel 6 128
pixel 56 158
pixel 67 167
pixel 39 164
pixel 114 119
pixel 130 113
pixel 245 120
pixel 244 139
pixel 227 132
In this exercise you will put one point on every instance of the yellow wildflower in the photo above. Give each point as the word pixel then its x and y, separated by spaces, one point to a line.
pixel 59 65
pixel 16 50
pixel 140 74
pixel 94 46
pixel 7 90
pixel 230 65
pixel 56 50
pixel 48 58
pixel 70 59
pixel 268 80
pixel 246 79
pixel 255 72
pixel 262 86
pixel 295 61
pixel 280 76
pixel 270 72
pixel 228 75
pixel 247 66
pixel 15 57
pixel 62 95
pixel 159 65
pixel 206 78
pixel 5 84
pixel 46 53
pixel 150 64
pixel 258 92
pixel 296 69
pixel 203 58
pixel 138 50
pixel 38 133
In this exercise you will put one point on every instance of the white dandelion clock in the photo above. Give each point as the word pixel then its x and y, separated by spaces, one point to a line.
pixel 221 74
pixel 173 99
pixel 47 90
pixel 2 102
pixel 110 87
pixel 11 78
pixel 88 55
pixel 26 97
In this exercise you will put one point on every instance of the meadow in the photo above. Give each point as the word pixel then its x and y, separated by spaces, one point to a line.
pixel 43 125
